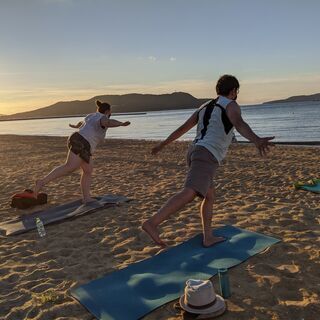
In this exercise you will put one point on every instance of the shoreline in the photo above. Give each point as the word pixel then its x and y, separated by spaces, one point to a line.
pixel 280 143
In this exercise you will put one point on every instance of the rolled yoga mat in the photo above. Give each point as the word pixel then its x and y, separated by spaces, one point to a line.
pixel 68 210
pixel 132 292
pixel 312 185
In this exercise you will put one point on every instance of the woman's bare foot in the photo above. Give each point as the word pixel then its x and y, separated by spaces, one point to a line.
pixel 87 200
pixel 153 233
pixel 211 240
pixel 38 186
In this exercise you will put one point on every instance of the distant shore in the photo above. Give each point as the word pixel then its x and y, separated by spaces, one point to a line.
pixel 69 116
pixel 281 143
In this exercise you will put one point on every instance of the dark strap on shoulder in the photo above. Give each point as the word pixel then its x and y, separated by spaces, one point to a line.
pixel 206 118
pixel 224 117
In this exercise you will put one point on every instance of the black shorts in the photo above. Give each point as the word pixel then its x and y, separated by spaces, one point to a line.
pixel 80 146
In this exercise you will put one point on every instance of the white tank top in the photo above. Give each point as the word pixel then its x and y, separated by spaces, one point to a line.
pixel 92 131
pixel 214 130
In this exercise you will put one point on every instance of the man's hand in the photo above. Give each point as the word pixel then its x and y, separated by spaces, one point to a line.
pixel 263 144
pixel 124 124
pixel 72 126
pixel 157 148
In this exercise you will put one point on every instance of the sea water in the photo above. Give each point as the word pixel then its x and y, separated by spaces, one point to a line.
pixel 288 122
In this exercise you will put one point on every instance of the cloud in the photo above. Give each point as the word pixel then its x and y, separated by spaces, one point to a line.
pixel 276 80
pixel 152 58
pixel 173 59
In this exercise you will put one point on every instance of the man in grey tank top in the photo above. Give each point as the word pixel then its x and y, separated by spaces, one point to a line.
pixel 215 120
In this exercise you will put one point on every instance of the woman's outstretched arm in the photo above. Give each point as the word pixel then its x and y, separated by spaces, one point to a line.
pixel 111 123
pixel 76 126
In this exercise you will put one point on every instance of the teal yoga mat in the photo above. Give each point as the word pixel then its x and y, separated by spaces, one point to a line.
pixel 132 292
pixel 312 185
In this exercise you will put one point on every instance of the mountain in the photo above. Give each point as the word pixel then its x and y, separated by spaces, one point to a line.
pixel 120 103
pixel 303 98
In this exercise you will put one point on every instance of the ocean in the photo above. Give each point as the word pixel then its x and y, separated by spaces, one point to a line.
pixel 288 122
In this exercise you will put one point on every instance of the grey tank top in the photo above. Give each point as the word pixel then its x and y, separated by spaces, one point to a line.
pixel 214 129
pixel 92 131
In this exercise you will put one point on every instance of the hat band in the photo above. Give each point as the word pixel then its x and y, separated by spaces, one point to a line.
pixel 202 307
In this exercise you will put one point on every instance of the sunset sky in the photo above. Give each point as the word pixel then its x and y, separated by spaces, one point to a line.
pixel 53 50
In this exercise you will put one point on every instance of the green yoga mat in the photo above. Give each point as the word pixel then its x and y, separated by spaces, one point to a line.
pixel 312 185
pixel 132 292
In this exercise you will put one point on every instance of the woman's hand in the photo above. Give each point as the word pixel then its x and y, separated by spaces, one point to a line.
pixel 125 124
pixel 157 148
pixel 76 126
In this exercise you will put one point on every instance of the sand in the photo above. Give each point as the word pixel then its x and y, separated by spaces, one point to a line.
pixel 252 192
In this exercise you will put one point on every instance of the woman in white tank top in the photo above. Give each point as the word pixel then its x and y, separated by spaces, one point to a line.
pixel 81 145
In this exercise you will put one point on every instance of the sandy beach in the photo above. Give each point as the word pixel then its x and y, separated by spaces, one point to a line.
pixel 254 193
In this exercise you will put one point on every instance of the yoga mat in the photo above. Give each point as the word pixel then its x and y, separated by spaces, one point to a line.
pixel 312 185
pixel 69 210
pixel 132 292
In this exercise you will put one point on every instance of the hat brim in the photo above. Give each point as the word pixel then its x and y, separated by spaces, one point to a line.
pixel 219 305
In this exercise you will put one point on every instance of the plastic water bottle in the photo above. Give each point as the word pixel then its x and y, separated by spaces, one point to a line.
pixel 224 283
pixel 40 227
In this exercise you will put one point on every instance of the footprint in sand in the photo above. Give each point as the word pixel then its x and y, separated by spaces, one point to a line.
pixel 65 252
pixel 291 268
pixel 14 277
pixel 119 250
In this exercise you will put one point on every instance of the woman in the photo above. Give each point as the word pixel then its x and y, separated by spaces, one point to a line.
pixel 82 144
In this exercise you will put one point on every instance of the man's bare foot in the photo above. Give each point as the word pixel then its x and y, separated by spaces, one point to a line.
pixel 210 241
pixel 153 233
pixel 38 186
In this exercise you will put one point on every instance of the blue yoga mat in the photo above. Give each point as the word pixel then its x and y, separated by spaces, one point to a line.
pixel 68 210
pixel 132 292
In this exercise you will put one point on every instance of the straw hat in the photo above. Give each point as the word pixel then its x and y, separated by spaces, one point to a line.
pixel 199 298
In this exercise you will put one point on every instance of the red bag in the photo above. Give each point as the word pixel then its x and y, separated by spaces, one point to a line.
pixel 27 199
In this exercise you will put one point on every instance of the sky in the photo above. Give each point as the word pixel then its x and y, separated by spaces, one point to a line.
pixel 59 50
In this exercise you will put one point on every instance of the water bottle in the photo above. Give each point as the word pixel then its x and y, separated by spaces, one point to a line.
pixel 40 227
pixel 224 283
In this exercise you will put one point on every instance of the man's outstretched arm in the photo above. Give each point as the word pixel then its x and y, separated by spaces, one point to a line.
pixel 190 123
pixel 234 114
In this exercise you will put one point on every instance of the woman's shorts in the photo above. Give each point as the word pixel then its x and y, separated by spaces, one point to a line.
pixel 202 170
pixel 80 146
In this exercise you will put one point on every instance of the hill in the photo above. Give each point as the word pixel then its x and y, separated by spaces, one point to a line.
pixel 302 98
pixel 120 103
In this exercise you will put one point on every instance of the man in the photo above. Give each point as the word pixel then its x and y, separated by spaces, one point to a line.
pixel 215 122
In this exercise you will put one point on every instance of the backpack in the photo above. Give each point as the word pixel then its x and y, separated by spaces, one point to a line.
pixel 27 200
